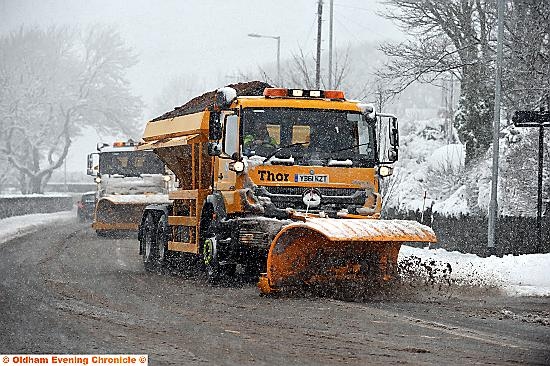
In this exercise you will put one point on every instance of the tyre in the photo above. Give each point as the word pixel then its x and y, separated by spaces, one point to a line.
pixel 162 241
pixel 102 234
pixel 149 243
pixel 217 270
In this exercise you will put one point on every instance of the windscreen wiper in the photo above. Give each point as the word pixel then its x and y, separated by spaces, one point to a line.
pixel 350 147
pixel 282 148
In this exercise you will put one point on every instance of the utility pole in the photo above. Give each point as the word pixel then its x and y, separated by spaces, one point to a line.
pixel 330 44
pixel 318 61
pixel 450 110
pixel 493 205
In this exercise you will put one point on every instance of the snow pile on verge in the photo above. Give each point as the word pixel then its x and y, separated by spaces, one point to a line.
pixel 447 157
pixel 16 226
pixel 524 275
pixel 455 205
pixel 35 195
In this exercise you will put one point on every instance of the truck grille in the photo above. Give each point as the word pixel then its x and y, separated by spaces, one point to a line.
pixel 325 192
pixel 252 237
pixel 332 199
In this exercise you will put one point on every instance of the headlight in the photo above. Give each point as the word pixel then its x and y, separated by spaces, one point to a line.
pixel 166 178
pixel 237 166
pixel 385 171
pixel 97 180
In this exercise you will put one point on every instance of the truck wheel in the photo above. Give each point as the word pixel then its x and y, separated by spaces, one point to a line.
pixel 216 270
pixel 162 241
pixel 149 242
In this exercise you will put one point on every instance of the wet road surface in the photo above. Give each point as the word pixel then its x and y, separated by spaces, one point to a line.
pixel 64 290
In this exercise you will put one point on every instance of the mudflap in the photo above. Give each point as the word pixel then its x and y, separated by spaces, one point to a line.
pixel 324 251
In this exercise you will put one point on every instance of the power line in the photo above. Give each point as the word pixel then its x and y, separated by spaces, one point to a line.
pixel 355 8
pixel 360 25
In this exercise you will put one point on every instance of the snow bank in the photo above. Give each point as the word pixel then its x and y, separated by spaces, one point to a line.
pixel 448 157
pixel 455 205
pixel 36 195
pixel 524 275
pixel 16 226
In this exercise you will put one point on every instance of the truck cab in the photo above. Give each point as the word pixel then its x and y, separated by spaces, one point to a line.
pixel 317 153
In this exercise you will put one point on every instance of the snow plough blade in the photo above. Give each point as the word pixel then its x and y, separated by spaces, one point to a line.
pixel 123 212
pixel 321 251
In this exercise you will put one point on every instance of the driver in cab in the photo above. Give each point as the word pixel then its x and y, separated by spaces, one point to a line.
pixel 258 137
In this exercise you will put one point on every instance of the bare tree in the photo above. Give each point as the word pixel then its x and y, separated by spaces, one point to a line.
pixel 450 36
pixel 458 37
pixel 527 59
pixel 54 83
pixel 299 71
pixel 175 93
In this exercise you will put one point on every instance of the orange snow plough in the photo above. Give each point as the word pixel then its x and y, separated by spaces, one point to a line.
pixel 279 183
pixel 323 250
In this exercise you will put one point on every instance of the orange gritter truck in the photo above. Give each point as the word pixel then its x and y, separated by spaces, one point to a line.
pixel 281 182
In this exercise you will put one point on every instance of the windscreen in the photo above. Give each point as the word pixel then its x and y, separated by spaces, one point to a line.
pixel 130 163
pixel 309 135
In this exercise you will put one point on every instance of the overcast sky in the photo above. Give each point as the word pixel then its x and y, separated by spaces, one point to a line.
pixel 205 39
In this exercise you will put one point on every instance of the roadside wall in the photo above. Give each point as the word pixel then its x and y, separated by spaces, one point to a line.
pixel 70 187
pixel 468 234
pixel 31 204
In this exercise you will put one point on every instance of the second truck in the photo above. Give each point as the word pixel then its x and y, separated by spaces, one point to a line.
pixel 282 182
pixel 127 181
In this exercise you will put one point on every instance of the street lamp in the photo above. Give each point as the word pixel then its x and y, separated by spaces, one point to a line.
pixel 278 38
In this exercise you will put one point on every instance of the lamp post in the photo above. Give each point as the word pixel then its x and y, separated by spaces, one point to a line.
pixel 493 204
pixel 278 38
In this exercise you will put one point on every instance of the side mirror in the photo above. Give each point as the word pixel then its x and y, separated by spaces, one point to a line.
pixel 89 165
pixel 394 133
pixel 231 139
pixel 214 126
pixel 214 148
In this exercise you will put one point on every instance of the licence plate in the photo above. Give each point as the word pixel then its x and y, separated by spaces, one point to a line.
pixel 311 178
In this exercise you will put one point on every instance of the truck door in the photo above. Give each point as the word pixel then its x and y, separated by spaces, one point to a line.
pixel 225 180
